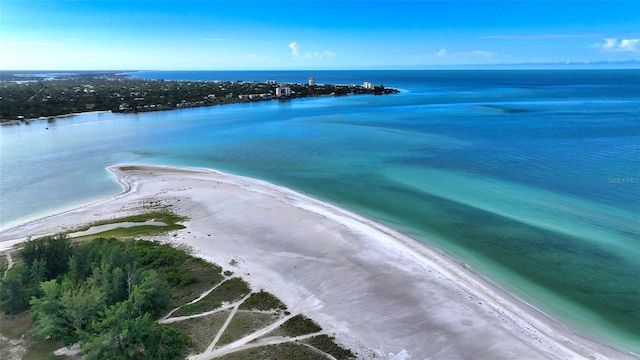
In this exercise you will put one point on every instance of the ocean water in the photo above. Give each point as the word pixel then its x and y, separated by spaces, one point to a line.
pixel 530 177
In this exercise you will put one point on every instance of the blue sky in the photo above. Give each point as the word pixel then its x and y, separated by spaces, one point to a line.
pixel 305 34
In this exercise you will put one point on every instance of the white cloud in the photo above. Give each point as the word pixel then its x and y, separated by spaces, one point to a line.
pixel 629 44
pixel 609 43
pixel 612 44
pixel 319 55
pixel 295 52
pixel 465 54
pixel 294 48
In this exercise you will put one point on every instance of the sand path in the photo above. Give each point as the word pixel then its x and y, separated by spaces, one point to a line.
pixel 9 262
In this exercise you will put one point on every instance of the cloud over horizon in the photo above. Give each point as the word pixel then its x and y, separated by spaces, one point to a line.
pixel 612 44
pixel 295 53
pixel 466 54
pixel 294 48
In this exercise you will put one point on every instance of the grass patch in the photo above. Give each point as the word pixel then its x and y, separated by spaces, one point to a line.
pixel 202 330
pixel 244 323
pixel 172 220
pixel 300 325
pixel 130 232
pixel 230 290
pixel 15 326
pixel 43 350
pixel 289 351
pixel 208 276
pixel 130 168
pixel 263 301
pixel 327 344
pixel 197 308
pixel 164 216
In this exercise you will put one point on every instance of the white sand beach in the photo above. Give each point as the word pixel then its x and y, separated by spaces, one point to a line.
pixel 378 291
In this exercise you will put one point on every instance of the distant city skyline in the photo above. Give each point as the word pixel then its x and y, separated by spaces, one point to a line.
pixel 306 34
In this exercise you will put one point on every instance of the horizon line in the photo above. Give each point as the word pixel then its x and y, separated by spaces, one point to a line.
pixel 585 65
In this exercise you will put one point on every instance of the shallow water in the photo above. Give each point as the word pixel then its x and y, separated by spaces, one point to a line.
pixel 529 177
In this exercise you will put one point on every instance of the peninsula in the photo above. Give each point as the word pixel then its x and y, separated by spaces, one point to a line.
pixel 36 95
pixel 377 292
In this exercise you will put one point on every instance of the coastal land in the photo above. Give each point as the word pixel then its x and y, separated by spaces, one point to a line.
pixel 378 292
pixel 35 95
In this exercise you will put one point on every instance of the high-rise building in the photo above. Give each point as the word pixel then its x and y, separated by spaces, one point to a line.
pixel 283 91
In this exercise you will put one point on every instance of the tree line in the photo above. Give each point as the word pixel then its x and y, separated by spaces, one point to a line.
pixel 47 98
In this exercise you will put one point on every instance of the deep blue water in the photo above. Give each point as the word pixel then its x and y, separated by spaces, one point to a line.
pixel 531 177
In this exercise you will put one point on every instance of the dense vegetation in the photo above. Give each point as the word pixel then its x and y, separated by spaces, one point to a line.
pixel 109 92
pixel 105 294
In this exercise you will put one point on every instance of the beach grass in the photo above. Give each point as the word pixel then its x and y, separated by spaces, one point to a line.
pixel 172 222
pixel 244 323
pixel 161 215
pixel 207 274
pixel 127 233
pixel 300 325
pixel 15 328
pixel 327 344
pixel 43 350
pixel 229 291
pixel 202 329
pixel 263 301
pixel 289 351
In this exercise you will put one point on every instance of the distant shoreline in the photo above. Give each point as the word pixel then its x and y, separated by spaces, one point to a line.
pixel 42 118
pixel 72 94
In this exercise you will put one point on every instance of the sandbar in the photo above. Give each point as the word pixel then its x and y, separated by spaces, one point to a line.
pixel 378 291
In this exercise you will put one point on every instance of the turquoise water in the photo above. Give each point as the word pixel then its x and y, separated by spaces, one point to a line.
pixel 530 177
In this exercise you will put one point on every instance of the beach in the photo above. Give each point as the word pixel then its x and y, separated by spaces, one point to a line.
pixel 381 293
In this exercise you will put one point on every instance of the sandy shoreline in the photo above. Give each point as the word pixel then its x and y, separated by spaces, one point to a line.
pixel 372 286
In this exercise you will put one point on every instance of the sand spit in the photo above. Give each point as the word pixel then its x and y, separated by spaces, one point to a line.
pixel 378 291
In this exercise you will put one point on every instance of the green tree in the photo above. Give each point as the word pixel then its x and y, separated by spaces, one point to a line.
pixel 118 335
pixel 37 272
pixel 54 251
pixel 81 307
pixel 166 343
pixel 150 295
pixel 12 294
pixel 47 312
